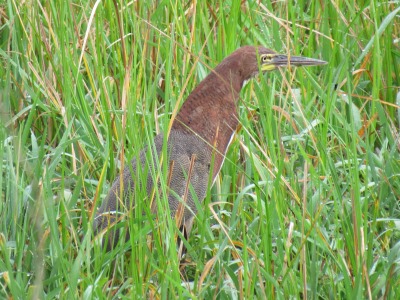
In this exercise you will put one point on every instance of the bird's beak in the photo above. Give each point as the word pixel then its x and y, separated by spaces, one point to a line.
pixel 280 60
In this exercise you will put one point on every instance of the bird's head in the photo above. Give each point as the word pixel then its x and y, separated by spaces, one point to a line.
pixel 247 61
pixel 270 61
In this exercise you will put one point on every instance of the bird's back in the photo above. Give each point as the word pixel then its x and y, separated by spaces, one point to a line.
pixel 188 158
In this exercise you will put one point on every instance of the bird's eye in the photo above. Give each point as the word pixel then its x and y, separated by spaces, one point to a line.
pixel 264 58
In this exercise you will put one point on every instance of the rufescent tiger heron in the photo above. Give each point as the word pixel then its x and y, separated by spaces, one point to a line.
pixel 197 143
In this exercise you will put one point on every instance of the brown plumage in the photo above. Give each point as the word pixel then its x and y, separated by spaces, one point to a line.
pixel 200 134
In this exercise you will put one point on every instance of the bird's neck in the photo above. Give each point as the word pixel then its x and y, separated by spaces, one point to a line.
pixel 210 112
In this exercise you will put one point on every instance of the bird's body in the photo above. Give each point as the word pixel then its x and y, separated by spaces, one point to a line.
pixel 197 143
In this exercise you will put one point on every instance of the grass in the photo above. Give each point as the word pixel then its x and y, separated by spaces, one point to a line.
pixel 307 202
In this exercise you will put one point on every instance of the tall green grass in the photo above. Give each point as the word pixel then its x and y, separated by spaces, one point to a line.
pixel 307 202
